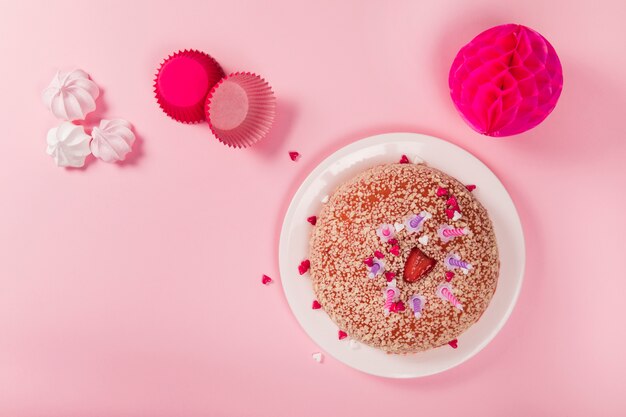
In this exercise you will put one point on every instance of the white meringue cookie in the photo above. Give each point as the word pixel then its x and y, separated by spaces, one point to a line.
pixel 112 140
pixel 68 144
pixel 71 95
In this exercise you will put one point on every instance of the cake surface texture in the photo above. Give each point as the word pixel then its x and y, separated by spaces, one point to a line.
pixel 368 230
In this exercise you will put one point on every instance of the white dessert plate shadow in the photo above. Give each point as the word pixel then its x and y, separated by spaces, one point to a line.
pixel 346 163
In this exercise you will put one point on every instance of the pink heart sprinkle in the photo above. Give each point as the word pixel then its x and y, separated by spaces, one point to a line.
pixel 304 266
pixel 452 202
pixel 450 213
pixel 312 220
pixel 390 276
pixel 395 250
pixel 266 280
pixel 379 254
pixel 449 275
pixel 470 187
pixel 441 192
pixel 369 261
pixel 397 307
pixel 454 343
pixel 342 335
pixel 404 160
pixel 316 305
pixel 393 241
pixel 294 155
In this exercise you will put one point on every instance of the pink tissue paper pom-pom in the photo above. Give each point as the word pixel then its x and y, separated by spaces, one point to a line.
pixel 506 80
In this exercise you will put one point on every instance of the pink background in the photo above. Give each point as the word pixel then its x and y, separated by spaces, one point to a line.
pixel 112 277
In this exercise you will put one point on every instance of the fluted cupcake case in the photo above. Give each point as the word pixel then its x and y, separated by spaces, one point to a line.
pixel 182 83
pixel 240 109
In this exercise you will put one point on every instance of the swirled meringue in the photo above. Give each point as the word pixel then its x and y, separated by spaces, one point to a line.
pixel 71 95
pixel 112 140
pixel 68 144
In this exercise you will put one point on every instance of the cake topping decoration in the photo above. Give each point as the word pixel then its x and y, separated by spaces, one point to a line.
pixel 453 261
pixel 378 267
pixel 444 291
pixel 414 222
pixel 404 159
pixel 395 250
pixel 398 227
pixel 312 220
pixel 342 335
pixel 390 293
pixel 423 240
pixel 304 266
pixel 294 155
pixel 417 304
pixel 385 232
pixel 325 199
pixel 417 265
pixel 470 187
pixel 454 343
pixel 379 254
pixel 369 261
pixel 316 305
pixel 266 280
pixel 417 160
pixel 393 241
pixel 318 357
pixel 449 275
pixel 453 211
pixel 447 232
pixel 389 276
pixel 441 192
pixel 397 307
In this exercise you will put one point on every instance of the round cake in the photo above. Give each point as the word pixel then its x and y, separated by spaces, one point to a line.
pixel 403 258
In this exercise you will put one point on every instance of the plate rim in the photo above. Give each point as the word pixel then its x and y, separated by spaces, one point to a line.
pixel 371 141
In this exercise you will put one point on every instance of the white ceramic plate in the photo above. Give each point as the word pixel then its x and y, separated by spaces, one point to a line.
pixel 353 159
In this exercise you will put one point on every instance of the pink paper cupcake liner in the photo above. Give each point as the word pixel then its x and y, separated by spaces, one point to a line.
pixel 182 83
pixel 240 109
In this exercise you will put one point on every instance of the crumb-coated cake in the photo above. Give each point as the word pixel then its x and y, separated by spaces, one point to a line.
pixel 403 258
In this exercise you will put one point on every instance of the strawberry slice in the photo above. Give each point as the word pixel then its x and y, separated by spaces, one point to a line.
pixel 417 265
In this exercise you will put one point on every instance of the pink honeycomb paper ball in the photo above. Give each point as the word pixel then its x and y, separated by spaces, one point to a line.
pixel 506 80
